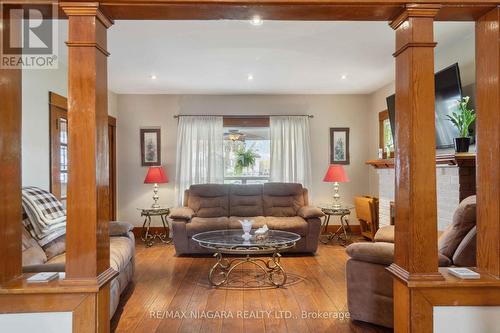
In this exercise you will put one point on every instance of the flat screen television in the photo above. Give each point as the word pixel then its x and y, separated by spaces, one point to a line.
pixel 448 91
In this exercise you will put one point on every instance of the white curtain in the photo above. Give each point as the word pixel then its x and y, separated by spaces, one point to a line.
pixel 199 152
pixel 290 150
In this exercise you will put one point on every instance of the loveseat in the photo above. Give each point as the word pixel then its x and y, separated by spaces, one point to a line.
pixel 369 284
pixel 53 258
pixel 281 206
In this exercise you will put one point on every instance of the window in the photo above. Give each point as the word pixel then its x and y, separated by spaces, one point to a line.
pixel 247 155
pixel 385 134
pixel 58 146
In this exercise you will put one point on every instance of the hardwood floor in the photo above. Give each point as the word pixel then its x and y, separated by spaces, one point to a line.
pixel 169 292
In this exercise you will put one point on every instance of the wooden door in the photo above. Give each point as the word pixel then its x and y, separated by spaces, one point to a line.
pixel 58 107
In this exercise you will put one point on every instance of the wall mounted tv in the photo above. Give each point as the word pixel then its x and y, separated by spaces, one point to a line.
pixel 448 91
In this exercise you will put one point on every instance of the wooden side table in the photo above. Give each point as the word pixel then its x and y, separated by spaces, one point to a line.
pixel 342 232
pixel 149 238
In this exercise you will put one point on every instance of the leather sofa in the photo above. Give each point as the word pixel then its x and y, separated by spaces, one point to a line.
pixel 369 284
pixel 282 206
pixel 121 257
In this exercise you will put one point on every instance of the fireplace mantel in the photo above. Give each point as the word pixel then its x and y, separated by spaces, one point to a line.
pixel 465 159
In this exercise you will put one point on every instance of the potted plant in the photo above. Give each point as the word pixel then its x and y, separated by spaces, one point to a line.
pixel 245 158
pixel 462 119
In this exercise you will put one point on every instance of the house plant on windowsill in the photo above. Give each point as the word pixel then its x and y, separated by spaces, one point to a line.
pixel 462 119
pixel 245 159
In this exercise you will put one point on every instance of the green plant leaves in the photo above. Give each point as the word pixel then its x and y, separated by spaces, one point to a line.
pixel 463 117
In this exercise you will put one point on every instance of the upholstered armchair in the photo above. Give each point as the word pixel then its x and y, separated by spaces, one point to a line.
pixel 369 284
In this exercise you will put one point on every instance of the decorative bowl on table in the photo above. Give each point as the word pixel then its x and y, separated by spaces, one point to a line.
pixel 261 234
pixel 247 227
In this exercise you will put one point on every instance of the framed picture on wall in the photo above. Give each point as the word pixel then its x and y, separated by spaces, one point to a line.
pixel 150 147
pixel 339 145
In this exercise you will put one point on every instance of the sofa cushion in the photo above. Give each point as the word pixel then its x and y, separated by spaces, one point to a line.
pixel 385 234
pixel 464 219
pixel 202 224
pixel 245 200
pixel 294 224
pixel 55 247
pixel 282 199
pixel 32 253
pixel 209 200
pixel 465 254
pixel 234 221
pixel 121 250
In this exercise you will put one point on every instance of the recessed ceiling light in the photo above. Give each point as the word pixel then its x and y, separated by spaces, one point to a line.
pixel 343 77
pixel 256 20
pixel 153 77
pixel 250 77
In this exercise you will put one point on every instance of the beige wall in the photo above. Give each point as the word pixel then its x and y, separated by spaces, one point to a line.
pixel 461 51
pixel 35 121
pixel 136 111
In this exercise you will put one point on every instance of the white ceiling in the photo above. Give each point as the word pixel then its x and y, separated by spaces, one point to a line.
pixel 284 57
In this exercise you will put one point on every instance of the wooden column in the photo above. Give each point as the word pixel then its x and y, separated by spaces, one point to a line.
pixel 10 173
pixel 10 164
pixel 87 238
pixel 415 257
pixel 488 142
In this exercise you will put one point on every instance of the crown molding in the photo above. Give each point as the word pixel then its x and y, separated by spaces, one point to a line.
pixel 414 10
pixel 86 9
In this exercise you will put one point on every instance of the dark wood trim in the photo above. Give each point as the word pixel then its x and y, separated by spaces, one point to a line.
pixel 112 167
pixel 58 108
pixel 246 121
pixel 143 131
pixel 488 141
pixel 10 173
pixel 366 10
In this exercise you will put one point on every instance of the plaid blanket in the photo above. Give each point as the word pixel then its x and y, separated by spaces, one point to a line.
pixel 46 217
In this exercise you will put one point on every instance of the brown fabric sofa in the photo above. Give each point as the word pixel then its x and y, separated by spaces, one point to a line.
pixel 122 258
pixel 369 285
pixel 282 206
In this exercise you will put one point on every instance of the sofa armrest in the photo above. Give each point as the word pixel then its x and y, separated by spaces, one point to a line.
pixel 308 212
pixel 376 253
pixel 56 267
pixel 117 228
pixel 382 253
pixel 181 213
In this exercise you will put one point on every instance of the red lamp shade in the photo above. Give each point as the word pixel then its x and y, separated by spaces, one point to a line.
pixel 336 173
pixel 156 175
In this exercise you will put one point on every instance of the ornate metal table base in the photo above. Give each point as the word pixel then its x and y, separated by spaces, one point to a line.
pixel 342 231
pixel 220 272
pixel 149 238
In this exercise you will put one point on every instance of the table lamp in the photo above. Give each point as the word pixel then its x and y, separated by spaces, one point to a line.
pixel 336 174
pixel 156 175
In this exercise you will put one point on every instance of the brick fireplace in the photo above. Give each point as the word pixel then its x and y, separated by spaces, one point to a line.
pixel 456 180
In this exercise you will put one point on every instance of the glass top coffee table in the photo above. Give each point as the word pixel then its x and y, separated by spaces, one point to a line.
pixel 231 242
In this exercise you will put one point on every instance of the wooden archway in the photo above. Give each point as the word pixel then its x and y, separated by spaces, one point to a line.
pixel 419 284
